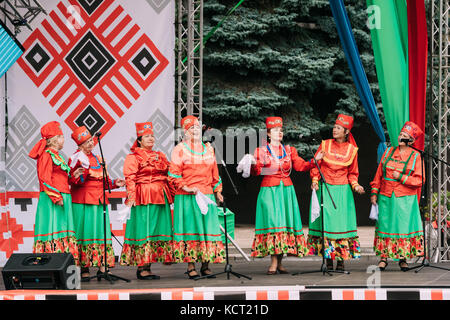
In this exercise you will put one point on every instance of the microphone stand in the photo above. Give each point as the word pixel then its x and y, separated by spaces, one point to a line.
pixel 228 267
pixel 425 260
pixel 323 268
pixel 105 275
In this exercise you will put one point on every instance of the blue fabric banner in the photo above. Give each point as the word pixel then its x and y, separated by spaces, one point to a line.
pixel 356 68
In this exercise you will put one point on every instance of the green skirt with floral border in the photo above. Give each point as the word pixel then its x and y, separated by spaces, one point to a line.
pixel 148 235
pixel 398 231
pixel 278 226
pixel 197 237
pixel 341 239
pixel 54 230
pixel 89 229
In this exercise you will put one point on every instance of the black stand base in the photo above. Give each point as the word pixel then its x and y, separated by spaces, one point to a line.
pixel 228 271
pixel 108 277
pixel 426 264
pixel 324 270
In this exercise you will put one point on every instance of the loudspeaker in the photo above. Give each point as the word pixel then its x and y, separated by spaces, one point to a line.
pixel 41 271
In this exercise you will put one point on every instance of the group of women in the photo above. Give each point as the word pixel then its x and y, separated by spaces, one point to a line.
pixel 70 215
pixel 395 190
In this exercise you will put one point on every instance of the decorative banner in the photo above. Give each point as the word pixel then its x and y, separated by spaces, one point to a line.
pixel 400 47
pixel 390 46
pixel 103 64
pixel 10 49
pixel 357 70
pixel 418 59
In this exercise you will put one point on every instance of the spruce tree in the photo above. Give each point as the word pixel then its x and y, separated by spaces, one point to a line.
pixel 284 58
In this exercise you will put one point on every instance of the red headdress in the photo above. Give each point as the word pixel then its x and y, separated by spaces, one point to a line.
pixel 49 130
pixel 347 122
pixel 81 135
pixel 142 129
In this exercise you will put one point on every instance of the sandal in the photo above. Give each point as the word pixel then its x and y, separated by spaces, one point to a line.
pixel 271 273
pixel 192 276
pixel 340 266
pixel 282 271
pixel 385 264
pixel 329 264
pixel 403 268
pixel 204 272
pixel 85 276
pixel 147 277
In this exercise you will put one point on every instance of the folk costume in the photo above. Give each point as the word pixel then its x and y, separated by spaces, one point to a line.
pixel 340 169
pixel 399 232
pixel 87 204
pixel 54 230
pixel 278 226
pixel 197 236
pixel 149 234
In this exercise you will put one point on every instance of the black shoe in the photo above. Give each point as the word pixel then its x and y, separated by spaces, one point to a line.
pixel 330 264
pixel 403 268
pixel 99 275
pixel 340 266
pixel 385 264
pixel 193 277
pixel 85 278
pixel 282 271
pixel 147 277
pixel 208 275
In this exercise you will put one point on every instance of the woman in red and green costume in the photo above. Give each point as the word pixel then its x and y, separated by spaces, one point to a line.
pixel 148 234
pixel 278 226
pixel 340 169
pixel 396 188
pixel 54 230
pixel 87 204
pixel 193 168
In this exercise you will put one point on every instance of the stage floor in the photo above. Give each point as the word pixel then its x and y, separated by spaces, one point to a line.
pixel 173 279
pixel 361 283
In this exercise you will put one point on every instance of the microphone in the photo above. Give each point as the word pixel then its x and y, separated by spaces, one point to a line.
pixel 406 141
pixel 98 134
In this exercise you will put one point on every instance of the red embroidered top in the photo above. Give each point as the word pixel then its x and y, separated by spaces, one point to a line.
pixel 194 166
pixel 88 187
pixel 339 164
pixel 408 164
pixel 53 174
pixel 276 165
pixel 146 177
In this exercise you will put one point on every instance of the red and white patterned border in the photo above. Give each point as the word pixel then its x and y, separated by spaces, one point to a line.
pixel 205 293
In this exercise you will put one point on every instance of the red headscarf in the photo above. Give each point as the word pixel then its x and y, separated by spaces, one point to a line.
pixel 49 130
pixel 188 122
pixel 347 122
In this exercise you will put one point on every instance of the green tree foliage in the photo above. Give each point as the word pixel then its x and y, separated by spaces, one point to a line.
pixel 284 58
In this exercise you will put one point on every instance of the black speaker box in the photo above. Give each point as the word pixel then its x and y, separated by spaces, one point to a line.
pixel 40 271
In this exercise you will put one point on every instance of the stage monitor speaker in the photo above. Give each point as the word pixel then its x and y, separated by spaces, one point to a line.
pixel 41 271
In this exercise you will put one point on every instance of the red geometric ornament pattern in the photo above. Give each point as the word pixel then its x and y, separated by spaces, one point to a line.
pixel 91 68
pixel 11 234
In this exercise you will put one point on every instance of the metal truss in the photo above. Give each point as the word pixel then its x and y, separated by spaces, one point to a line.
pixel 190 59
pixel 21 12
pixel 439 129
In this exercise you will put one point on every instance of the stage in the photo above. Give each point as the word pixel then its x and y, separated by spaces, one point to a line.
pixel 430 283
pixel 360 284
